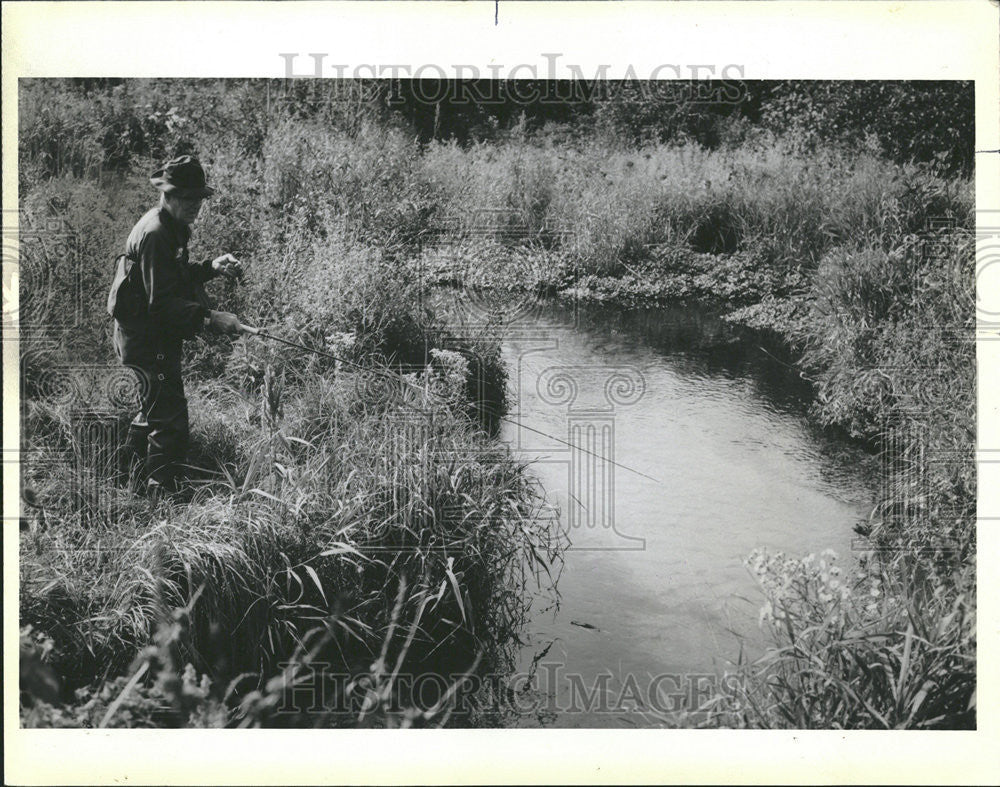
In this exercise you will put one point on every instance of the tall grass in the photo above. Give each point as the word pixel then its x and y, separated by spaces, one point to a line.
pixel 319 489
pixel 318 509
pixel 879 651
pixel 615 208
pixel 310 513
pixel 888 336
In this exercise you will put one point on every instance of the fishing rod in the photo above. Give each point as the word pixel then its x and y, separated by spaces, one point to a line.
pixel 263 334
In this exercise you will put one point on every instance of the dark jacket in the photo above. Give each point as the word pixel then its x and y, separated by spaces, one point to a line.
pixel 174 287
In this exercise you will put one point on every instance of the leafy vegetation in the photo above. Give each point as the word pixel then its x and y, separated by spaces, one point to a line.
pixel 339 514
pixel 836 218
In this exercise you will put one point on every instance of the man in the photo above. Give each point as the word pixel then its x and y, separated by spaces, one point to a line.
pixel 177 309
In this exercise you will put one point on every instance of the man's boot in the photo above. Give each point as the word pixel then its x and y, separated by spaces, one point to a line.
pixel 133 457
pixel 154 492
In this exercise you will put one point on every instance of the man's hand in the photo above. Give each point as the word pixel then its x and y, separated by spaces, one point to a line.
pixel 224 322
pixel 228 266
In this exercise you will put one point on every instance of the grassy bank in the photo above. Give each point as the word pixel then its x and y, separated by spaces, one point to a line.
pixel 337 517
pixel 863 270
pixel 861 266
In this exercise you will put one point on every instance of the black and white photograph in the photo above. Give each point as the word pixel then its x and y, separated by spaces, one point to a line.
pixel 444 398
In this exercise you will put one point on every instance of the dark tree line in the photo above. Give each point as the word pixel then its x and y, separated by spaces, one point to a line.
pixel 923 121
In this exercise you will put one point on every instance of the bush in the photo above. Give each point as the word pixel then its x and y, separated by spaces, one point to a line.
pixel 850 653
pixel 924 121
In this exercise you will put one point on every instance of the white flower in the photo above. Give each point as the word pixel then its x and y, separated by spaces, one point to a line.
pixel 343 340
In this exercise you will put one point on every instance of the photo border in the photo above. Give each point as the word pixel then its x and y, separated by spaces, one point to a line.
pixel 769 40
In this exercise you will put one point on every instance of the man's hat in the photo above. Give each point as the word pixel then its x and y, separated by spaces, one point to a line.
pixel 182 176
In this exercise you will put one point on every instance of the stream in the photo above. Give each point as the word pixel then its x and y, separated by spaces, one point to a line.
pixel 713 457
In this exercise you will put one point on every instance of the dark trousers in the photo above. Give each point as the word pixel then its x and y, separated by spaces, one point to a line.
pixel 158 435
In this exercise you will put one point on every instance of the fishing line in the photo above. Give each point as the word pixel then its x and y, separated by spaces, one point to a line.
pixel 799 372
pixel 400 378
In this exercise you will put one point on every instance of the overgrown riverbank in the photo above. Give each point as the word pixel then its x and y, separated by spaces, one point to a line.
pixel 346 529
pixel 866 282
pixel 880 319
pixel 312 512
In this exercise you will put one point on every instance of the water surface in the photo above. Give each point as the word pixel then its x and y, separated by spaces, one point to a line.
pixel 654 584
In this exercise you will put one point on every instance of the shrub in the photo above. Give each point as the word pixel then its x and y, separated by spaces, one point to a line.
pixel 927 121
pixel 854 653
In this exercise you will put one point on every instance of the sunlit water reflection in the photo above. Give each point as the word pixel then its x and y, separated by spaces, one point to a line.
pixel 654 583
